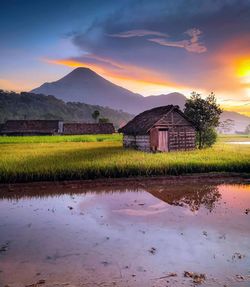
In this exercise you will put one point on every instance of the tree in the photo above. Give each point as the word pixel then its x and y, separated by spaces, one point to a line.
pixel 205 113
pixel 226 126
pixel 209 137
pixel 95 115
pixel 247 130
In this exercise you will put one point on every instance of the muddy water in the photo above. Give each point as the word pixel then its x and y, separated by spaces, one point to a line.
pixel 125 234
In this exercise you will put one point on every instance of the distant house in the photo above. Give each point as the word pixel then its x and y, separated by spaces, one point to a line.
pixel 160 129
pixel 87 128
pixel 53 127
pixel 31 127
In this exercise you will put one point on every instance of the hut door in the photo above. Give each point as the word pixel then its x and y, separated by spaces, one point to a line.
pixel 163 140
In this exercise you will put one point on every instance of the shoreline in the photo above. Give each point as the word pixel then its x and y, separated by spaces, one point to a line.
pixel 214 177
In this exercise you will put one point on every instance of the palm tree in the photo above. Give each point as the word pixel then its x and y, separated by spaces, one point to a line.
pixel 95 115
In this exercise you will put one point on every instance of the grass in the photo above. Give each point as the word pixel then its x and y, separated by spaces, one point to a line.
pixel 59 139
pixel 73 159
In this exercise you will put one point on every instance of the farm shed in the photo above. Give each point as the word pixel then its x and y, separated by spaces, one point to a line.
pixel 52 127
pixel 87 128
pixel 31 127
pixel 162 129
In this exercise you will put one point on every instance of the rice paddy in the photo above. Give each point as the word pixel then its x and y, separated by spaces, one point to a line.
pixel 59 138
pixel 69 160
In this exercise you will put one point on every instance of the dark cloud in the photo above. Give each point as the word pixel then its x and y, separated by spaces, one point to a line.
pixel 179 37
pixel 138 33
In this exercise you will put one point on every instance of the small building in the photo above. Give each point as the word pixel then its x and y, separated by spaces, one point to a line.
pixel 87 128
pixel 161 129
pixel 32 127
pixel 53 127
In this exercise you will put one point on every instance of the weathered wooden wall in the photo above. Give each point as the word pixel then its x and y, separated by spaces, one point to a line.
pixel 129 141
pixel 143 143
pixel 154 139
pixel 139 142
pixel 181 133
pixel 181 138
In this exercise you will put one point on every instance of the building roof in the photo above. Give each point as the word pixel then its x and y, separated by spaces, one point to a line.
pixel 24 126
pixel 1 127
pixel 142 123
pixel 88 128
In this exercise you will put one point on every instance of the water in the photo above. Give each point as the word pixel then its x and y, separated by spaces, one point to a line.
pixel 244 143
pixel 125 233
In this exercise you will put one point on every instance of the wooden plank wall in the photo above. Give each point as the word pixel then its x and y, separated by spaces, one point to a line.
pixel 139 142
pixel 143 143
pixel 129 141
pixel 181 132
pixel 181 138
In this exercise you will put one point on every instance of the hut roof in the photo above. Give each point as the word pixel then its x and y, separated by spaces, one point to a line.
pixel 1 127
pixel 88 128
pixel 42 126
pixel 143 122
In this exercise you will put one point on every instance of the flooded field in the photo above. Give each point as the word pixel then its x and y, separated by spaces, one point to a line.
pixel 132 233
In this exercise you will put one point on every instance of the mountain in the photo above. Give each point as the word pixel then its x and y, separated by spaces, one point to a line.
pixel 162 100
pixel 85 86
pixel 240 121
pixel 32 106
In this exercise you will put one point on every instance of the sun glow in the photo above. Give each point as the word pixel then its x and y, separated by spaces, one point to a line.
pixel 243 68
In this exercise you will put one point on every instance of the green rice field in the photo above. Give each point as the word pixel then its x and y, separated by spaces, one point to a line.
pixel 24 159
pixel 59 138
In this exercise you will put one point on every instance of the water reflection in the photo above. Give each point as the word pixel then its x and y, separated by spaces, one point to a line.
pixel 193 196
pixel 176 193
pixel 124 233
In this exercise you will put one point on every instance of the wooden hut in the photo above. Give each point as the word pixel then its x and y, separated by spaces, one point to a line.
pixel 161 129
pixel 87 128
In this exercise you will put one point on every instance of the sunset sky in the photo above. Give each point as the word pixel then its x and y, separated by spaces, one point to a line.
pixel 150 47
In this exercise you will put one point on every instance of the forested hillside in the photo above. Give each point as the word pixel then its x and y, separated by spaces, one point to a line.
pixel 32 106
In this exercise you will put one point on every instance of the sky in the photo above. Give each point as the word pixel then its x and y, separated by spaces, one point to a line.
pixel 149 47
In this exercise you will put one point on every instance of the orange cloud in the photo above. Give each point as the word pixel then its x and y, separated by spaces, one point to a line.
pixel 242 109
pixel 13 85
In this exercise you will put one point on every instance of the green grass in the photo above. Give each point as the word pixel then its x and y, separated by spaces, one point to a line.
pixel 104 159
pixel 59 139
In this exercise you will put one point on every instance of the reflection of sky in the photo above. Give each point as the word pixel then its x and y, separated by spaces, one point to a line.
pixel 151 47
pixel 99 239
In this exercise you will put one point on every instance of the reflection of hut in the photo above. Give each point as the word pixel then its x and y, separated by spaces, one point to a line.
pixel 160 129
